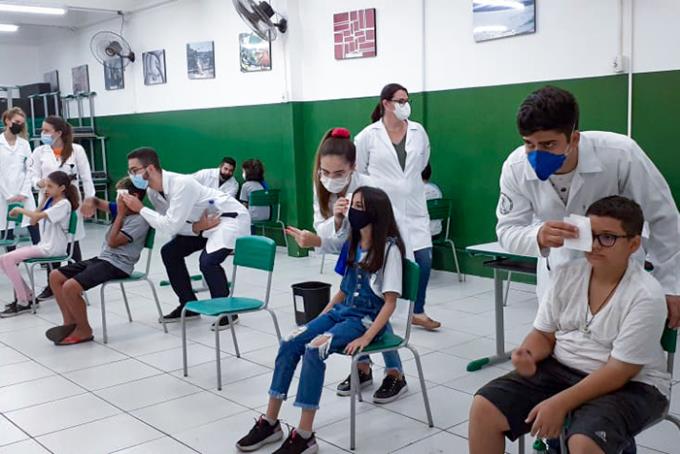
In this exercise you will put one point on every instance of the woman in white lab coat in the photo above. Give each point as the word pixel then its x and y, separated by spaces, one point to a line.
pixel 393 151
pixel 58 152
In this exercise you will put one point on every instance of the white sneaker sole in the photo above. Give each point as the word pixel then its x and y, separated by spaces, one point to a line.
pixel 178 319
pixel 273 438
pixel 224 327
pixel 363 385
pixel 387 400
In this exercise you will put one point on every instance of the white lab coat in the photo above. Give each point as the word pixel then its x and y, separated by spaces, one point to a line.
pixel 211 179
pixel 377 158
pixel 608 164
pixel 15 176
pixel 185 201
pixel 44 163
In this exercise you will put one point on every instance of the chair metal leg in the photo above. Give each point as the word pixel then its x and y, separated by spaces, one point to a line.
pixel 127 305
pixel 217 351
pixel 563 443
pixel 31 278
pixel 461 277
pixel 521 445
pixel 103 308
pixel 232 328
pixel 276 323
pixel 158 304
pixel 507 288
pixel 183 325
pixel 354 390
pixel 423 387
pixel 673 419
pixel 323 261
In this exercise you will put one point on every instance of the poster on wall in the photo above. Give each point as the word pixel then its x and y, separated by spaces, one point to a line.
pixel 154 67
pixel 354 34
pixel 81 79
pixel 52 78
pixel 114 77
pixel 256 53
pixel 201 60
pixel 493 19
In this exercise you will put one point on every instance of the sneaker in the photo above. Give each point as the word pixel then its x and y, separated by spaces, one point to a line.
pixel 261 434
pixel 391 389
pixel 14 309
pixel 425 322
pixel 365 379
pixel 46 294
pixel 224 323
pixel 176 315
pixel 295 444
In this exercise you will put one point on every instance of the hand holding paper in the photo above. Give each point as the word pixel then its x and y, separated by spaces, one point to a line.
pixel 584 242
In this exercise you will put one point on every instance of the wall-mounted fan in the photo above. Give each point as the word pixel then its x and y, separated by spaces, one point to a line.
pixel 107 45
pixel 258 16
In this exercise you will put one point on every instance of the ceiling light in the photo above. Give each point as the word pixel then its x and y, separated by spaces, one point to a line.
pixel 8 28
pixel 14 8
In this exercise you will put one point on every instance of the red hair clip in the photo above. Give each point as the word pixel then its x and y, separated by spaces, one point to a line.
pixel 342 133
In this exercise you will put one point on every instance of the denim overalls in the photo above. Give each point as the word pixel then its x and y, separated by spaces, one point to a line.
pixel 347 321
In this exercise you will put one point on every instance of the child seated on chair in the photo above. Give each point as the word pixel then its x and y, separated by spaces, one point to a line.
pixel 119 254
pixel 594 356
pixel 354 317
pixel 54 223
pixel 253 180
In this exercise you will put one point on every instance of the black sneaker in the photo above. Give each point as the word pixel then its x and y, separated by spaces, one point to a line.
pixel 14 309
pixel 46 294
pixel 344 388
pixel 176 316
pixel 295 444
pixel 261 434
pixel 391 389
pixel 224 323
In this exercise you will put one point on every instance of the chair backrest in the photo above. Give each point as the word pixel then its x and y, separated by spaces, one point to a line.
pixel 439 209
pixel 410 280
pixel 256 252
pixel 150 238
pixel 264 198
pixel 14 219
pixel 73 223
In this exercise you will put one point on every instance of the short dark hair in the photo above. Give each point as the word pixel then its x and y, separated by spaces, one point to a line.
pixel 621 208
pixel 427 172
pixel 228 160
pixel 254 170
pixel 126 183
pixel 147 156
pixel 387 93
pixel 549 108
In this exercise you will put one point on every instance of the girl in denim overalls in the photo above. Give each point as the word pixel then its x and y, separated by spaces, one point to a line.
pixel 355 316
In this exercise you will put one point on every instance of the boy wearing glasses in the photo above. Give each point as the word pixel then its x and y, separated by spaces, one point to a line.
pixel 594 352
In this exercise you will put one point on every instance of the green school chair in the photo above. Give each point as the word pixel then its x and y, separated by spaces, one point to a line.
pixel 441 210
pixel 16 222
pixel 136 276
pixel 269 198
pixel 255 252
pixel 392 342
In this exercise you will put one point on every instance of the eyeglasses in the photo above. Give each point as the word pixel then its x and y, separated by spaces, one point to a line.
pixel 401 102
pixel 608 239
pixel 134 171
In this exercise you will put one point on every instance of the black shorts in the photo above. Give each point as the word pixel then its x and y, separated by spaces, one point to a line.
pixel 93 272
pixel 609 420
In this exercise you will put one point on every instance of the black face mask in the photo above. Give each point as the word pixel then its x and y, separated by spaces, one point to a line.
pixel 358 219
pixel 16 128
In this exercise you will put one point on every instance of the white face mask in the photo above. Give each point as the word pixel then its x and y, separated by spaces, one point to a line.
pixel 402 112
pixel 334 185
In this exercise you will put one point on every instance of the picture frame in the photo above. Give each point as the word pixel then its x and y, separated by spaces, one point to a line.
pixel 154 67
pixel 496 20
pixel 81 79
pixel 255 53
pixel 114 74
pixel 201 60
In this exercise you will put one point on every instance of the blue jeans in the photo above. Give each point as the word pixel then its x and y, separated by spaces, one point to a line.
pixel 424 260
pixel 342 325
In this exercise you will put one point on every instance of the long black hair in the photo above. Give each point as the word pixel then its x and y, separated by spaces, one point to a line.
pixel 387 93
pixel 70 191
pixel 333 143
pixel 378 207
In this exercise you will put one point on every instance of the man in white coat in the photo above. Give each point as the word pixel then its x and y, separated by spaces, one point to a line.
pixel 561 171
pixel 198 218
pixel 221 178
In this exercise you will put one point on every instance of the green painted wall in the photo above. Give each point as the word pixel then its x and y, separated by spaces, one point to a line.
pixel 472 130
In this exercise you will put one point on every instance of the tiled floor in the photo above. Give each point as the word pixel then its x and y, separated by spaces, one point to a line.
pixel 129 396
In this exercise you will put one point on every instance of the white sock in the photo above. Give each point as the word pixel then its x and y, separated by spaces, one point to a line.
pixel 303 433
pixel 271 422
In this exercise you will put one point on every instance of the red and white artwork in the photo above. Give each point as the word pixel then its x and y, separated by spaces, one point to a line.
pixel 354 33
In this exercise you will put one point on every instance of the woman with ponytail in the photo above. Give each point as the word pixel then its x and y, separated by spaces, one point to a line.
pixel 63 198
pixel 58 152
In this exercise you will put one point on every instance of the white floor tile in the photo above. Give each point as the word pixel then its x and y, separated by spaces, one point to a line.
pixel 449 407
pixel 171 360
pixel 252 393
pixel 111 374
pixel 472 381
pixel 81 356
pixel 233 370
pixel 9 433
pixel 24 447
pixel 442 442
pixel 21 372
pixel 437 367
pixel 663 437
pixel 477 348
pixel 36 392
pixel 147 391
pixel 10 356
pixel 165 445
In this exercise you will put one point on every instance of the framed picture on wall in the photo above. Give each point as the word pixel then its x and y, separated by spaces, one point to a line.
pixel 256 53
pixel 114 78
pixel 494 20
pixel 154 67
pixel 201 60
pixel 354 34
pixel 52 78
pixel 81 79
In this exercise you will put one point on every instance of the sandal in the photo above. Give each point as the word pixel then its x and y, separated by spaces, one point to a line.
pixel 73 340
pixel 58 333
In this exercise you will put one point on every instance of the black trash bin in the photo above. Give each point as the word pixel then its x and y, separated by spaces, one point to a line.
pixel 309 299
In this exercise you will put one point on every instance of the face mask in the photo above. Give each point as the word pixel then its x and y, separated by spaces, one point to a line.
pixel 334 185
pixel 16 128
pixel 402 112
pixel 46 139
pixel 139 181
pixel 358 219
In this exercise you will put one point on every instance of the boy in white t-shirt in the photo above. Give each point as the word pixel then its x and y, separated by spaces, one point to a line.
pixel 594 351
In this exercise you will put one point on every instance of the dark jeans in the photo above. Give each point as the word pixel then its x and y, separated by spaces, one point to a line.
pixel 173 254
pixel 424 260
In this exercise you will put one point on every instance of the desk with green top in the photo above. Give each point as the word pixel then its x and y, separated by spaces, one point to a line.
pixel 502 262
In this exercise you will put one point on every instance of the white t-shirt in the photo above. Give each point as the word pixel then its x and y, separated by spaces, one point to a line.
pixel 562 184
pixel 389 277
pixel 54 229
pixel 628 328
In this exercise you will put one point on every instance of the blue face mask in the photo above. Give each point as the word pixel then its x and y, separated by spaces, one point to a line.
pixel 545 163
pixel 46 139
pixel 139 182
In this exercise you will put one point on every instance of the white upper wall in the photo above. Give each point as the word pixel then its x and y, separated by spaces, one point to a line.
pixel 19 65
pixel 574 39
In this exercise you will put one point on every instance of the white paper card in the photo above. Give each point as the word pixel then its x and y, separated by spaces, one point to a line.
pixel 120 192
pixel 584 242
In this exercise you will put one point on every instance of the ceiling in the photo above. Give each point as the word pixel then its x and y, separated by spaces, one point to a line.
pixel 35 29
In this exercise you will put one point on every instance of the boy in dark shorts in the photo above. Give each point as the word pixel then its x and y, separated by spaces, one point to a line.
pixel 120 252
pixel 594 354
